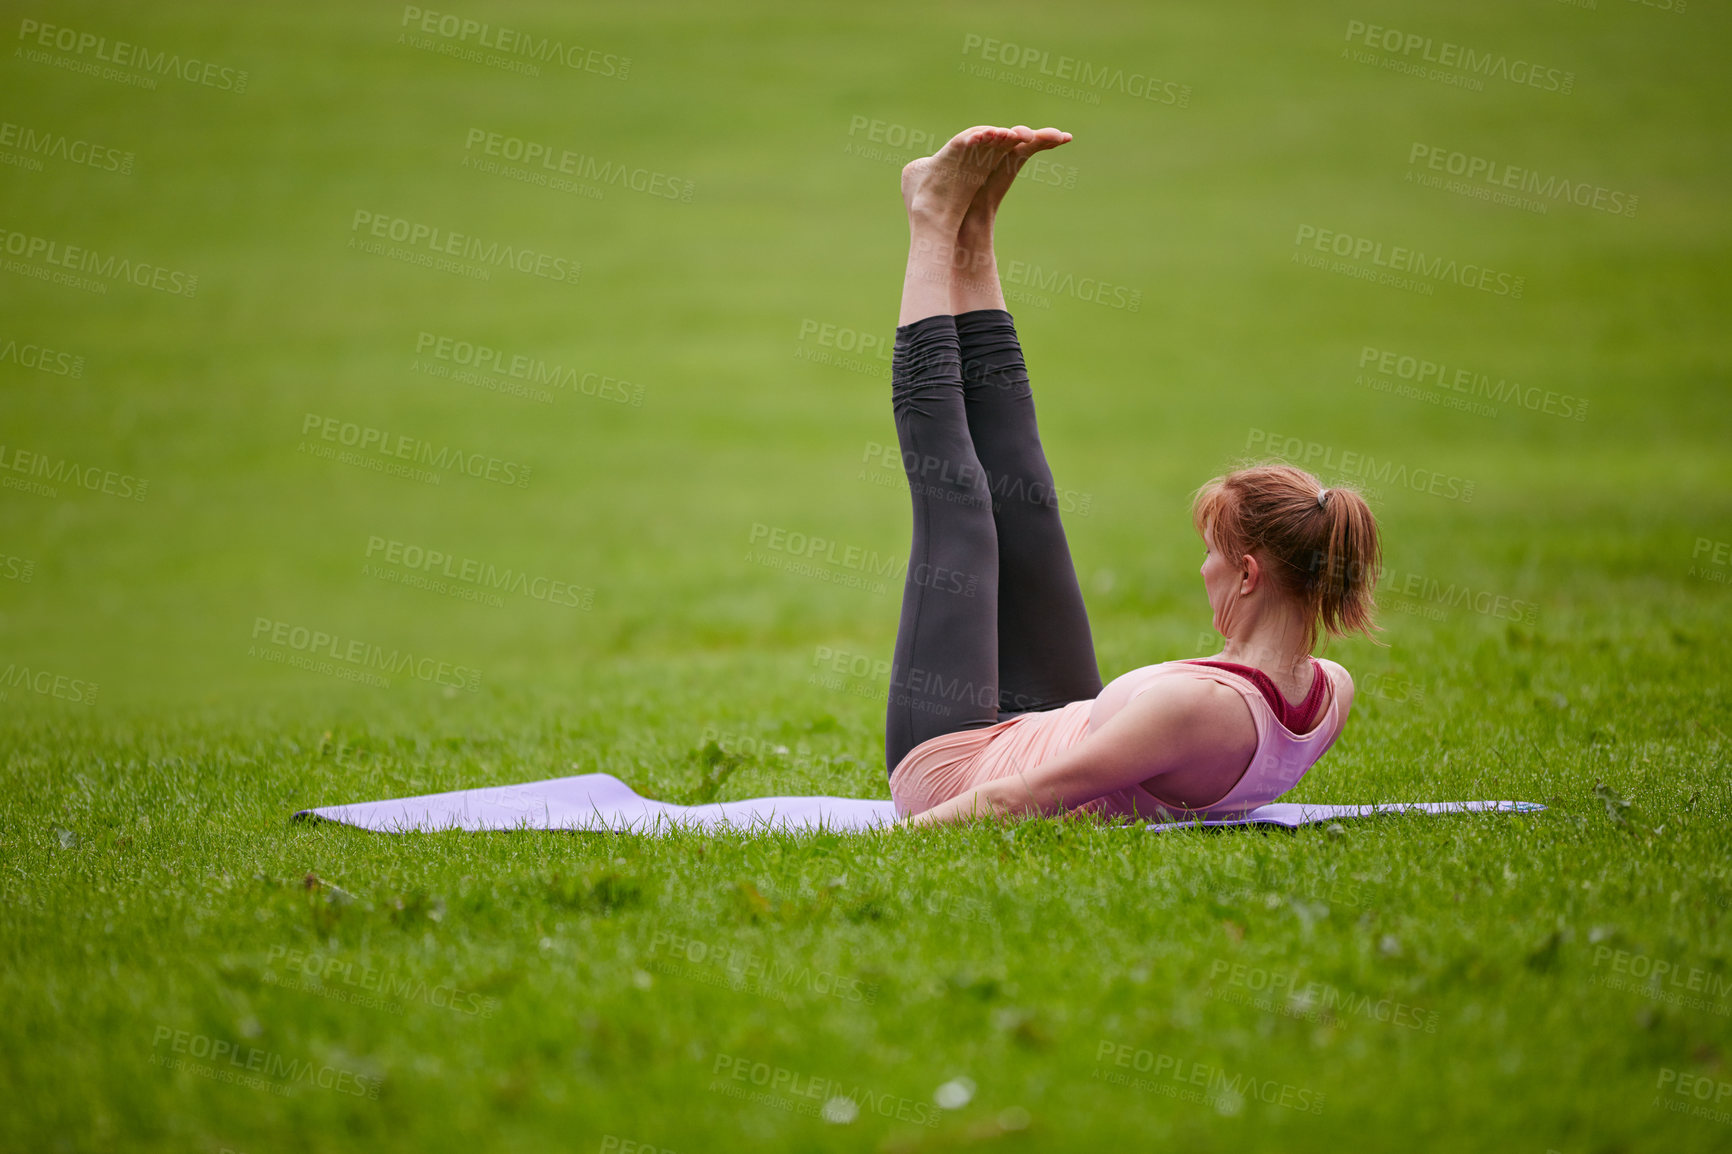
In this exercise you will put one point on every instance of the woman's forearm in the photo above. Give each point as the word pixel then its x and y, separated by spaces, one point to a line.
pixel 962 807
pixel 1003 797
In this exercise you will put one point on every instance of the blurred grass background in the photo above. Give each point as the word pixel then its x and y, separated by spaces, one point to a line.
pixel 703 305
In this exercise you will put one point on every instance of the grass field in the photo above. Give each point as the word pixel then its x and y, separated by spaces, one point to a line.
pixel 696 364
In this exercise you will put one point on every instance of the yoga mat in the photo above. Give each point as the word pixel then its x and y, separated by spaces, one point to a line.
pixel 1293 815
pixel 601 802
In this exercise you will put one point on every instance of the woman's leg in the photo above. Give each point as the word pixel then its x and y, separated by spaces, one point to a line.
pixel 944 673
pixel 1046 654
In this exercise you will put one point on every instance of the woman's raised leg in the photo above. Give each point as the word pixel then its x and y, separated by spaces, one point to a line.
pixel 944 673
pixel 1046 654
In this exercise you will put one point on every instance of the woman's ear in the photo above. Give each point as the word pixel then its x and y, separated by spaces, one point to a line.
pixel 1250 574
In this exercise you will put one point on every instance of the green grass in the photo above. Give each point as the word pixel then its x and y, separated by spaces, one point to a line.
pixel 1470 982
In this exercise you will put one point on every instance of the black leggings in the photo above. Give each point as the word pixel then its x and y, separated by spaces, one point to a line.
pixel 993 622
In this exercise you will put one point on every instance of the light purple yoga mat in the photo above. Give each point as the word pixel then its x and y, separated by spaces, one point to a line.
pixel 602 802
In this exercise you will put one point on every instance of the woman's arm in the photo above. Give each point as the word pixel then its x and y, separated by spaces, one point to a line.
pixel 1173 725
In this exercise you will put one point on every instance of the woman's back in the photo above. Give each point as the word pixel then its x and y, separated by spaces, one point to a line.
pixel 1259 758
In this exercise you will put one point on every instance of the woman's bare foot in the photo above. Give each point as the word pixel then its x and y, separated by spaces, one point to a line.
pixel 983 209
pixel 975 284
pixel 939 189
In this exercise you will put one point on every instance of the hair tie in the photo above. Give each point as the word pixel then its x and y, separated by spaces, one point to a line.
pixel 1321 493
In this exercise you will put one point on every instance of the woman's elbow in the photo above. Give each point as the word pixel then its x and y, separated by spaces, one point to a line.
pixel 997 798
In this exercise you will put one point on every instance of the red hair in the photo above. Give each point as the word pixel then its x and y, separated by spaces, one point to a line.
pixel 1323 553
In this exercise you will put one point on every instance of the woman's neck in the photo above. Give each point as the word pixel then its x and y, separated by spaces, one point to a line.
pixel 1277 647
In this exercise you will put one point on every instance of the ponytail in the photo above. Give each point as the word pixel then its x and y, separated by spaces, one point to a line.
pixel 1347 567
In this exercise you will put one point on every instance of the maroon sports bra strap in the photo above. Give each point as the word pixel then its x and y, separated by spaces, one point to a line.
pixel 1297 718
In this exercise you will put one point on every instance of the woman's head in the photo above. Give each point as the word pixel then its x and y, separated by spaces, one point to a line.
pixel 1315 546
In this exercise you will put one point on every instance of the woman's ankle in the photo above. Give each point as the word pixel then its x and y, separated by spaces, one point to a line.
pixel 975 234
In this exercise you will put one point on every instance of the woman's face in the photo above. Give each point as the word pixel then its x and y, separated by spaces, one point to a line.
pixel 1221 578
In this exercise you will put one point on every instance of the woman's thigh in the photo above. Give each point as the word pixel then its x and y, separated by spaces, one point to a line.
pixel 944 672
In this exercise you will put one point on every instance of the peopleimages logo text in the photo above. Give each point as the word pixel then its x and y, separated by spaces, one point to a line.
pixel 58 146
pixel 564 162
pixel 1499 175
pixel 1399 258
pixel 1403 366
pixel 62 471
pixel 1141 85
pixel 241 1058
pixel 480 573
pixel 108 266
pixel 1360 466
pixel 1451 55
pixel 126 55
pixel 514 42
pixel 364 655
pixel 351 434
pixel 443 242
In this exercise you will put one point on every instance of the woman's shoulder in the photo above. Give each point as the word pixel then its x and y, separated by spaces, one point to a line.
pixel 1340 679
pixel 1335 669
pixel 1179 665
pixel 1190 717
pixel 1197 695
pixel 1177 684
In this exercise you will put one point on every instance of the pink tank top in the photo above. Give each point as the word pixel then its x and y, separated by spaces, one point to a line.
pixel 939 769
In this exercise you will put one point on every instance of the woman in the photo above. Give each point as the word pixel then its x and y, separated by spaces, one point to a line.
pixel 996 705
